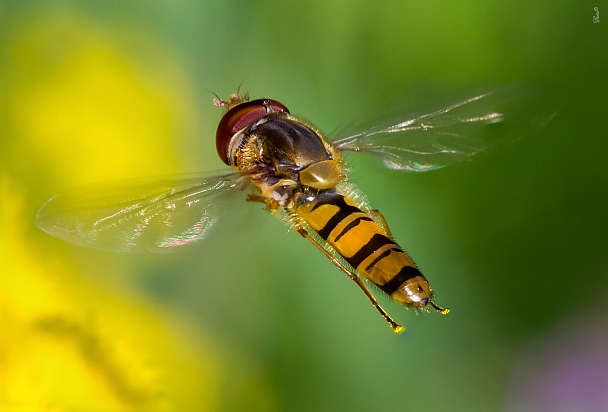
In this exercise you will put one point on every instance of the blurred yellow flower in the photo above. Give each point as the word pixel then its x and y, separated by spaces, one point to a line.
pixel 65 345
pixel 93 104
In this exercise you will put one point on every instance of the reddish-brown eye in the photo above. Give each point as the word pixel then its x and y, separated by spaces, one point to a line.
pixel 239 117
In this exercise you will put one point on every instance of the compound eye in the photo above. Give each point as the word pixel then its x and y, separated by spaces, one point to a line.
pixel 239 117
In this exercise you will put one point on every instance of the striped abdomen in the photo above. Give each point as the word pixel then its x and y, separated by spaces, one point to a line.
pixel 367 247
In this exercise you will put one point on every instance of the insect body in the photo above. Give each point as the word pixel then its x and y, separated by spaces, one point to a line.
pixel 367 247
pixel 292 169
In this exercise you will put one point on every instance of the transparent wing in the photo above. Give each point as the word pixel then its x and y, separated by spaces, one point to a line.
pixel 441 137
pixel 139 217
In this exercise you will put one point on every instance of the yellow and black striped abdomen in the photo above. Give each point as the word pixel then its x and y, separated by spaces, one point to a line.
pixel 366 247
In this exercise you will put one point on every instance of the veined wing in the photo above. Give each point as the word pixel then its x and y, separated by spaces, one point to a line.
pixel 441 137
pixel 141 216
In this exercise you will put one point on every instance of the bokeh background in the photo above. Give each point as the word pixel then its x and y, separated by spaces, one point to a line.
pixel 254 318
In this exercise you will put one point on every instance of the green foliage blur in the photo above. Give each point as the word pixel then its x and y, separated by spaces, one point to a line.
pixel 514 242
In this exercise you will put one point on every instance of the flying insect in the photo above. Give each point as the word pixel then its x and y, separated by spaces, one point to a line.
pixel 299 174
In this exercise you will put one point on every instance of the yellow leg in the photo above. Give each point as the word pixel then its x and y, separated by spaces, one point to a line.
pixel 271 204
pixel 395 326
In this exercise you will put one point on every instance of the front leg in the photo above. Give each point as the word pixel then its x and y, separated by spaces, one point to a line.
pixel 270 204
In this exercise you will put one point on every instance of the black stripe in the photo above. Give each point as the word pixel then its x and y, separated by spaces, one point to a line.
pixel 406 273
pixel 379 258
pixel 352 225
pixel 327 198
pixel 375 243
pixel 344 210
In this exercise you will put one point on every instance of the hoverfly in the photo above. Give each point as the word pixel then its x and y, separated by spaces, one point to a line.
pixel 295 171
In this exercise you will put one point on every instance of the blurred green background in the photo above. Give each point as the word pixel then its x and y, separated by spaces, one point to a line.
pixel 254 318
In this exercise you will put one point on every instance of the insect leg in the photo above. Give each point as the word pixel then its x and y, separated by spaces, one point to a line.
pixel 271 204
pixel 395 326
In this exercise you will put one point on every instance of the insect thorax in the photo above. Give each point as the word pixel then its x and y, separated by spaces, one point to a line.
pixel 283 156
